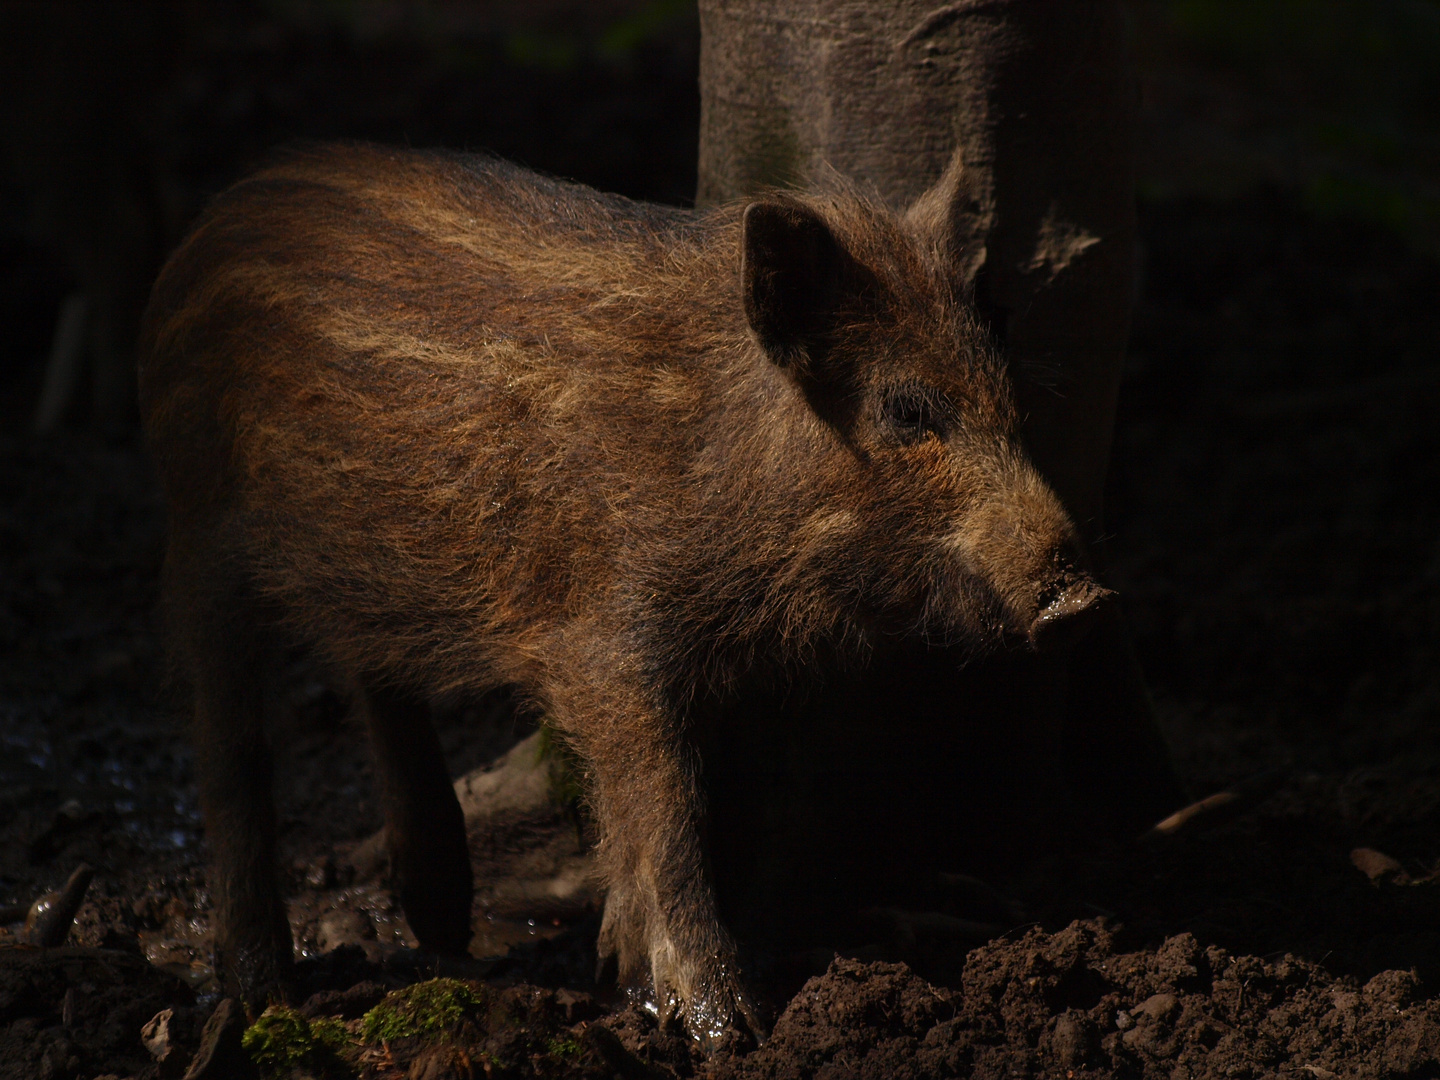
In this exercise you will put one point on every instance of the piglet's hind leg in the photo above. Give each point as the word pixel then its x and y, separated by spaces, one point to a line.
pixel 253 952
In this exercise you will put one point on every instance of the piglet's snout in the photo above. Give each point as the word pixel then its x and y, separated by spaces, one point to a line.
pixel 1070 615
pixel 1024 548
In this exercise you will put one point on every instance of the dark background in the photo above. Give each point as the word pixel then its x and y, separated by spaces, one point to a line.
pixel 1273 513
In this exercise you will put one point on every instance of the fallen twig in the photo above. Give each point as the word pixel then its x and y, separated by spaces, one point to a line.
pixel 1221 807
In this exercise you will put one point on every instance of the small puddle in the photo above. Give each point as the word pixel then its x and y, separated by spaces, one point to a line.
pixel 495 935
pixel 182 947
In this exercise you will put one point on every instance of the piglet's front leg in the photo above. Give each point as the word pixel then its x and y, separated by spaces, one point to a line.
pixel 661 929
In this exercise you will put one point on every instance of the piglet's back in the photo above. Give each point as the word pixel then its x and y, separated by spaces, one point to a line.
pixel 340 263
pixel 361 363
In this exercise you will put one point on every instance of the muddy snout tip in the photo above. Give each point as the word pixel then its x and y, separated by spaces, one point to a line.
pixel 1070 616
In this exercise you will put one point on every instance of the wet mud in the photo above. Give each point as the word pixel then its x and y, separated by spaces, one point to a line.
pixel 1277 538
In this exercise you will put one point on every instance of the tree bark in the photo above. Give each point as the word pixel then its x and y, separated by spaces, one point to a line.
pixel 1022 112
pixel 1007 127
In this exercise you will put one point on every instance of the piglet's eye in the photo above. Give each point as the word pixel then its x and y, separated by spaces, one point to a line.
pixel 915 412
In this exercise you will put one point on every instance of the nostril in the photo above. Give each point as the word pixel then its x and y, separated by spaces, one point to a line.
pixel 1070 616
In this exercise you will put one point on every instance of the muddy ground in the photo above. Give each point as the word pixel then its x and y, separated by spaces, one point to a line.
pixel 1277 535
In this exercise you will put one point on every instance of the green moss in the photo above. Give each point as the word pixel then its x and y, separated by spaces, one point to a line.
pixel 1357 196
pixel 563 1048
pixel 625 36
pixel 548 52
pixel 331 1034
pixel 282 1041
pixel 426 1009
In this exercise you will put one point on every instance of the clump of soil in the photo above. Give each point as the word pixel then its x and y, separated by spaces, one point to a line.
pixel 74 1011
pixel 1068 1004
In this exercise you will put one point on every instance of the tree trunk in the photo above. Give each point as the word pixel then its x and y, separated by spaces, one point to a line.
pixel 1009 126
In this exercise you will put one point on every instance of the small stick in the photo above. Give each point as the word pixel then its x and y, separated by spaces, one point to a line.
pixel 1222 806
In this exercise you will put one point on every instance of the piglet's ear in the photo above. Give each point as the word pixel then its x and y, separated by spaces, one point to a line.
pixel 792 276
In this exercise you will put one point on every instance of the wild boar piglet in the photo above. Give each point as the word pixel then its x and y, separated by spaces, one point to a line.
pixel 452 426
